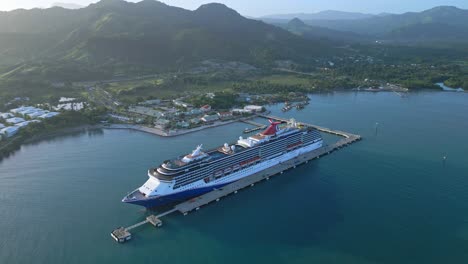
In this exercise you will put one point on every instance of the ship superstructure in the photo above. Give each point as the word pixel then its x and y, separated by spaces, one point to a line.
pixel 203 171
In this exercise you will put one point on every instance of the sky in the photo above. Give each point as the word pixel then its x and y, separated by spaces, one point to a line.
pixel 267 7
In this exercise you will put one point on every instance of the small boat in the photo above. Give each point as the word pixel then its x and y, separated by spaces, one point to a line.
pixel 286 108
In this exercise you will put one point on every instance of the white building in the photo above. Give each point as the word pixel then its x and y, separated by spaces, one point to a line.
pixel 241 111
pixel 209 118
pixel 6 115
pixel 75 106
pixel 37 113
pixel 120 118
pixel 28 111
pixel 15 120
pixel 9 131
pixel 66 99
pixel 205 108
pixel 22 108
pixel 253 108
pixel 49 115
pixel 22 124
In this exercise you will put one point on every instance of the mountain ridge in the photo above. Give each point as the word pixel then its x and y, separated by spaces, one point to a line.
pixel 114 34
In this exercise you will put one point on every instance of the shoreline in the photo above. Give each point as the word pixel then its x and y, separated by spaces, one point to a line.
pixel 18 142
pixel 162 133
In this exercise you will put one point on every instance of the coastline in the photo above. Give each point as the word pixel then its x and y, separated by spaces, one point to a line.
pixel 162 133
pixel 17 143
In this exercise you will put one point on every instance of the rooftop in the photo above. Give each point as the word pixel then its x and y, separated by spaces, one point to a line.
pixel 15 120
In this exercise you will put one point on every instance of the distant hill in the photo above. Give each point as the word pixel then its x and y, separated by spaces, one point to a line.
pixel 67 5
pixel 114 34
pixel 323 15
pixel 298 27
pixel 436 23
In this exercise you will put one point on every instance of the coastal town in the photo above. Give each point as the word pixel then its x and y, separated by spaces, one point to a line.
pixel 156 116
pixel 160 116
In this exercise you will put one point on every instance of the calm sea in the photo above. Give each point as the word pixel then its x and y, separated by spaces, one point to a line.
pixel 387 199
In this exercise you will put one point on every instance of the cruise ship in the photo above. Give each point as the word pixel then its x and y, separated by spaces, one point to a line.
pixel 202 171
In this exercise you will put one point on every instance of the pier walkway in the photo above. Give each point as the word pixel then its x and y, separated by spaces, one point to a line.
pixel 122 234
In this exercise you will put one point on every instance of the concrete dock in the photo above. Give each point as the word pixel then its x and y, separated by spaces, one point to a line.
pixel 122 234
pixel 257 126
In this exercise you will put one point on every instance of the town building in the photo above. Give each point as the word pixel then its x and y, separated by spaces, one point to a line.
pixel 15 120
pixel 49 115
pixel 22 124
pixel 6 115
pixel 151 102
pixel 205 108
pixel 141 110
pixel 195 121
pixel 240 111
pixel 183 124
pixel 37 114
pixel 120 118
pixel 162 123
pixel 28 111
pixel 209 118
pixel 224 115
pixel 9 131
pixel 254 108
pixel 181 104
pixel 21 109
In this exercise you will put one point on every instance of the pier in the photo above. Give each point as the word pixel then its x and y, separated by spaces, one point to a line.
pixel 257 126
pixel 122 234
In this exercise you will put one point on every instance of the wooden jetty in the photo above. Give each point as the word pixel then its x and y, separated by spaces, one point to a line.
pixel 122 234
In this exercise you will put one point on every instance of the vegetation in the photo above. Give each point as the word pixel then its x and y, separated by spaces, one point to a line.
pixel 223 100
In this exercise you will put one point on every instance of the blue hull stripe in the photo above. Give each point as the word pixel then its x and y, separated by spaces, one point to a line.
pixel 177 197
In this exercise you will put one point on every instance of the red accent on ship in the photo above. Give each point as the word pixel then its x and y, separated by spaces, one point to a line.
pixel 249 161
pixel 294 145
pixel 272 129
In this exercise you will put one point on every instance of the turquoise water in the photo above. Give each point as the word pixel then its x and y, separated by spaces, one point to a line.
pixel 387 199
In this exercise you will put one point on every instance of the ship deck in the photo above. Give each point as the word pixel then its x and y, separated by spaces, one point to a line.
pixel 213 155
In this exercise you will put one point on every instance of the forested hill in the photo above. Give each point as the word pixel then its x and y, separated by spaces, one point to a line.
pixel 115 33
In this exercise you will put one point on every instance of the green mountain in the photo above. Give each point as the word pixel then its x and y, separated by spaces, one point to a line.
pixel 116 36
pixel 434 24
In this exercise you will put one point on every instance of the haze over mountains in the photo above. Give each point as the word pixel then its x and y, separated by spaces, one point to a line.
pixel 444 23
pixel 322 15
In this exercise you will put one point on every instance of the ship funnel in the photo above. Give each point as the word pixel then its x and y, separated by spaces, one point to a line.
pixel 272 129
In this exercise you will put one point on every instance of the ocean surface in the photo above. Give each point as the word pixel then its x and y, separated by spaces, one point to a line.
pixel 387 199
